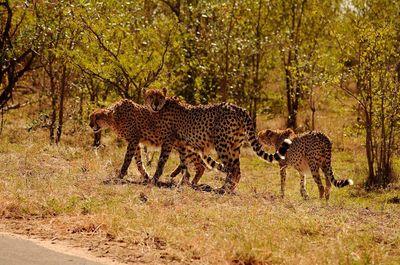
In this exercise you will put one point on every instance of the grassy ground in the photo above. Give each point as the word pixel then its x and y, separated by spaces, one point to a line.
pixel 56 192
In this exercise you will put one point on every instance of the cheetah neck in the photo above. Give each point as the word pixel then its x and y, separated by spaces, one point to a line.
pixel 282 137
pixel 107 119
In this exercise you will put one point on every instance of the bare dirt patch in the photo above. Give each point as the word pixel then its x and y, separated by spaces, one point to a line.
pixel 86 234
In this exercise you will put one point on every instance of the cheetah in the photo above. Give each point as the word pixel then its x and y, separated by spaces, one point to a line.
pixel 136 124
pixel 201 128
pixel 307 153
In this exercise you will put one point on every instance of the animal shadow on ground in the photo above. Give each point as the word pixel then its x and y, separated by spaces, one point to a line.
pixel 160 184
pixel 394 200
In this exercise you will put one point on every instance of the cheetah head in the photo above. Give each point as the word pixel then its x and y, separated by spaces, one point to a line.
pixel 155 99
pixel 99 119
pixel 274 138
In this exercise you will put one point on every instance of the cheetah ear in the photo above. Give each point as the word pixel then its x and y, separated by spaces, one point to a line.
pixel 164 90
pixel 290 131
pixel 99 114
pixel 268 132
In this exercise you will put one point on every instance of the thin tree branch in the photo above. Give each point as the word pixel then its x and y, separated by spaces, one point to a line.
pixel 113 55
pixel 152 76
pixel 6 33
pixel 89 72
pixel 175 8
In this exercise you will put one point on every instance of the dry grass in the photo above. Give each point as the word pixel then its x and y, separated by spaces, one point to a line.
pixel 57 192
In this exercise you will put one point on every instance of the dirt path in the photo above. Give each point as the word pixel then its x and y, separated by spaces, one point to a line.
pixel 18 250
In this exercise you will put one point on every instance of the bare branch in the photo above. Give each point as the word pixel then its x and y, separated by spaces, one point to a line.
pixel 362 104
pixel 152 76
pixel 6 34
pixel 18 24
pixel 89 72
pixel 99 40
pixel 175 8
pixel 110 52
pixel 16 106
pixel 26 67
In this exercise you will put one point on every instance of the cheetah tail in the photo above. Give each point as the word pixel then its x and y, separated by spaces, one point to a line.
pixel 279 155
pixel 284 147
pixel 342 183
pixel 212 164
pixel 208 161
pixel 337 183
pixel 257 147
pixel 327 169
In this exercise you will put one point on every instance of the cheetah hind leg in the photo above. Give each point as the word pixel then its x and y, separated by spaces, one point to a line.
pixel 233 176
pixel 185 181
pixel 176 171
pixel 232 179
pixel 327 188
pixel 196 159
pixel 315 173
pixel 182 167
pixel 282 172
pixel 229 153
pixel 200 168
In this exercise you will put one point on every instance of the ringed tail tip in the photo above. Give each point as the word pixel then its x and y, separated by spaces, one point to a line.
pixel 351 182
pixel 276 157
pixel 288 141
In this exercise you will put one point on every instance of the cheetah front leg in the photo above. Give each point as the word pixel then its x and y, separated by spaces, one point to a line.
pixel 303 190
pixel 130 150
pixel 133 150
pixel 164 155
pixel 139 164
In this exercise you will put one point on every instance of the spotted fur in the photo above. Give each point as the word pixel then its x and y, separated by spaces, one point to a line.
pixel 222 127
pixel 136 124
pixel 307 154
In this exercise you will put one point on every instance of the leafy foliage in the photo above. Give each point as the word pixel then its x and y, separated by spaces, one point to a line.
pixel 252 53
pixel 373 46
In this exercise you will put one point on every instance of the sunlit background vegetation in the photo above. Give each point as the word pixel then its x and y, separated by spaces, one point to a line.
pixel 271 57
pixel 332 66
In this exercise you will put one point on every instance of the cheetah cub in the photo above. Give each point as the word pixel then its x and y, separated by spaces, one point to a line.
pixel 308 153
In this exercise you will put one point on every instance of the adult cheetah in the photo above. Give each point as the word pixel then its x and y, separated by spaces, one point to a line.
pixel 201 128
pixel 136 124
pixel 307 153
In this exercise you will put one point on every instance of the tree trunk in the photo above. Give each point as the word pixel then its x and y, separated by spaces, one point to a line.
pixel 224 80
pixel 256 65
pixel 369 149
pixel 291 101
pixel 372 180
pixel 13 65
pixel 53 103
pixel 61 104
pixel 313 119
